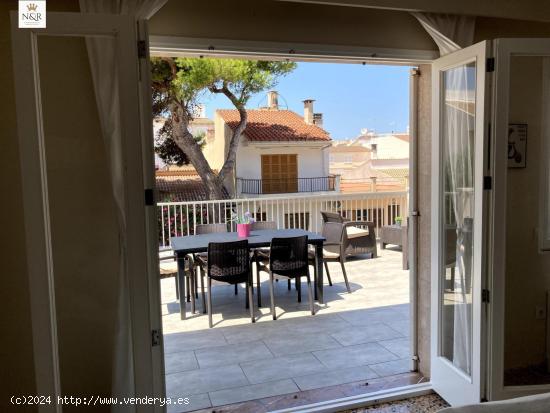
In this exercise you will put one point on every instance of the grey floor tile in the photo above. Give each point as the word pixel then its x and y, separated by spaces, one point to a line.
pixel 254 332
pixel 366 334
pixel 232 354
pixel 193 340
pixel 281 367
pixel 293 342
pixel 403 326
pixel 401 347
pixel 252 392
pixel 391 368
pixel 319 323
pixel 334 377
pixel 192 382
pixel 368 316
pixel 181 361
pixel 351 356
pixel 194 402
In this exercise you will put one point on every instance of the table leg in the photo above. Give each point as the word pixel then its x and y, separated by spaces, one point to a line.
pixel 181 282
pixel 319 280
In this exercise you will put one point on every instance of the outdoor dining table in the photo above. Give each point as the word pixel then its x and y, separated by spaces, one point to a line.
pixel 192 244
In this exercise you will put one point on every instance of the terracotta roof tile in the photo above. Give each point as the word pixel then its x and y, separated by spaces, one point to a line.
pixel 275 125
pixel 180 186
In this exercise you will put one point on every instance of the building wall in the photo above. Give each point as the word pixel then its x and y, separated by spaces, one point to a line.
pixel 216 147
pixel 311 160
pixel 527 270
pixel 389 147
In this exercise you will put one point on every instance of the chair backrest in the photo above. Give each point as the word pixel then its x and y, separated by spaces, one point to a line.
pixel 289 256
pixel 210 228
pixel 258 225
pixel 229 261
pixel 332 217
pixel 333 232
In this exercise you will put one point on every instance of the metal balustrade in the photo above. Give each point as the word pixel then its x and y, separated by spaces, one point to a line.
pixel 286 185
pixel 288 211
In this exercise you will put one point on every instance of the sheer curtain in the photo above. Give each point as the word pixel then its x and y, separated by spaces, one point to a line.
pixel 459 139
pixel 450 32
pixel 103 65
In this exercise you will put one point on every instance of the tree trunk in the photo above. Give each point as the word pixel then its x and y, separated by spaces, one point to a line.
pixel 229 164
pixel 186 142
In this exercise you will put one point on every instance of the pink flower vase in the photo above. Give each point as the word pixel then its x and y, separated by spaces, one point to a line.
pixel 243 230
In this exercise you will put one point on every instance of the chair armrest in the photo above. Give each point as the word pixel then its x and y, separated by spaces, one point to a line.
pixel 358 224
pixel 330 244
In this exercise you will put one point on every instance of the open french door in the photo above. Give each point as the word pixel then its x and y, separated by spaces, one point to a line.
pixel 79 127
pixel 459 222
pixel 518 332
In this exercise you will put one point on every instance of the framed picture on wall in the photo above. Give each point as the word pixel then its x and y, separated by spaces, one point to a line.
pixel 517 145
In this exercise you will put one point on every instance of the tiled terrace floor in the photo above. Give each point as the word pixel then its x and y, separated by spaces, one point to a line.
pixel 352 338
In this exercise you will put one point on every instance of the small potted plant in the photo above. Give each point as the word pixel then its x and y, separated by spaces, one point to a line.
pixel 244 224
pixel 398 221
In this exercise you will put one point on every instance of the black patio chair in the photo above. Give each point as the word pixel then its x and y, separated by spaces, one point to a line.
pixel 261 253
pixel 288 259
pixel 229 262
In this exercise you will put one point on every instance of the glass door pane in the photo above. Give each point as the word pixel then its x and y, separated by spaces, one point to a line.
pixel 458 93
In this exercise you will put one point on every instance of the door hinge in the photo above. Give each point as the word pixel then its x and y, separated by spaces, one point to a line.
pixel 485 296
pixel 142 49
pixel 415 213
pixel 490 64
pixel 487 183
pixel 149 197
pixel 155 338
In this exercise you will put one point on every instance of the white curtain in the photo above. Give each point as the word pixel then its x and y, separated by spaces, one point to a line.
pixel 450 32
pixel 103 65
pixel 458 137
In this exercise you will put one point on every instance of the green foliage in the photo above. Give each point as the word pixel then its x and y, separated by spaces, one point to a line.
pixel 185 82
pixel 166 148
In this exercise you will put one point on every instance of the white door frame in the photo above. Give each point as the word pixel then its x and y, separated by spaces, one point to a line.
pixel 35 195
pixel 451 383
pixel 504 49
pixel 177 46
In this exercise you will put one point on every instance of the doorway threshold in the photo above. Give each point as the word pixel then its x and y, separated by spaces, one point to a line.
pixel 363 400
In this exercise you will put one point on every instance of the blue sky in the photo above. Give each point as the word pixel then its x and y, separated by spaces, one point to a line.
pixel 350 96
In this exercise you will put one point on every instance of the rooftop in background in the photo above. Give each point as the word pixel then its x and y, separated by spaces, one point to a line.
pixel 269 125
pixel 180 185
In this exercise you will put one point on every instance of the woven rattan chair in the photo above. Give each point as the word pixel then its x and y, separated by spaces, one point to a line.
pixel 288 259
pixel 201 258
pixel 259 225
pixel 229 262
pixel 333 249
pixel 359 236
pixel 168 267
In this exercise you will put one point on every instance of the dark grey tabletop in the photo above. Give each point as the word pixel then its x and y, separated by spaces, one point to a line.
pixel 261 238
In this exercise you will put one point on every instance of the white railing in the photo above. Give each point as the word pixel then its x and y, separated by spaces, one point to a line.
pixel 288 211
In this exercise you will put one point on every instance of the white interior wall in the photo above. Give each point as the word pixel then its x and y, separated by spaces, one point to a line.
pixel 527 270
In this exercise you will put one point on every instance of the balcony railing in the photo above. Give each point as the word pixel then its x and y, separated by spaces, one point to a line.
pixel 290 211
pixel 287 185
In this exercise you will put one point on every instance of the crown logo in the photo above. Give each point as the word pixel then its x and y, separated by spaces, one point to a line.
pixel 32 7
